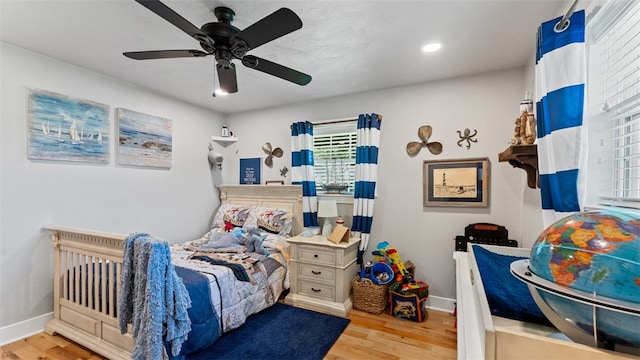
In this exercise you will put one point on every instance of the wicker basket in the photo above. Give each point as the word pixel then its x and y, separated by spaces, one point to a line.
pixel 368 296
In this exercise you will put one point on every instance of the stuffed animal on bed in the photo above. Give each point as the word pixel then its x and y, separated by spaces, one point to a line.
pixel 253 242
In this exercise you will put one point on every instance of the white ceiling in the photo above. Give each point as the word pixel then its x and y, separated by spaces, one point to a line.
pixel 346 46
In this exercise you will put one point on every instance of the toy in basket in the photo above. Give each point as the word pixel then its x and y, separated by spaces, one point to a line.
pixel 368 296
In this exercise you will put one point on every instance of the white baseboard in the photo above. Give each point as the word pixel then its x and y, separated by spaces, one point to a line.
pixel 23 329
pixel 440 303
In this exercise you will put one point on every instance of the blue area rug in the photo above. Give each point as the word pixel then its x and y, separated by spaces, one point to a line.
pixel 279 332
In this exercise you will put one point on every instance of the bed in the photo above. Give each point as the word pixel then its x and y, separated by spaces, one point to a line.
pixel 483 335
pixel 88 268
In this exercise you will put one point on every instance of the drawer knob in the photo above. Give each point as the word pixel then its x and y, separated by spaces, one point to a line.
pixel 315 255
pixel 316 290
pixel 316 272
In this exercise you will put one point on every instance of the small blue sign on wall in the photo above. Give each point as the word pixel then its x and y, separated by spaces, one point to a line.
pixel 250 171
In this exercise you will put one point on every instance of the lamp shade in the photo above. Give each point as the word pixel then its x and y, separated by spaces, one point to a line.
pixel 327 208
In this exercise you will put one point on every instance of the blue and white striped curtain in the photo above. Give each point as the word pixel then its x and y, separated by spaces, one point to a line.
pixel 368 141
pixel 302 169
pixel 560 75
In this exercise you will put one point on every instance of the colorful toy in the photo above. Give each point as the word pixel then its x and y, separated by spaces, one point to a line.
pixel 397 261
pixel 391 257
pixel 381 273
pixel 228 226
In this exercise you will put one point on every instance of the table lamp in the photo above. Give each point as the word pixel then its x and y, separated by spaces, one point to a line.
pixel 327 209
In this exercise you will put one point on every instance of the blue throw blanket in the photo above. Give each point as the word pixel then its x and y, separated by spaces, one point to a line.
pixel 205 324
pixel 152 298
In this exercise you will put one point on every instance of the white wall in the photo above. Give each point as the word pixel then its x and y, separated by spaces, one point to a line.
pixel 488 103
pixel 174 204
pixel 177 204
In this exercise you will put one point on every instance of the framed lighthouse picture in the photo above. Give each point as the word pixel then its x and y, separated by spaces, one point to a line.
pixel 456 183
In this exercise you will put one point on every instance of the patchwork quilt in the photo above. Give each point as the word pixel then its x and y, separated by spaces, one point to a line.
pixel 240 283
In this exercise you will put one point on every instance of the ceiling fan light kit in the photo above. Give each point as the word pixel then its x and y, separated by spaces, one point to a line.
pixel 226 43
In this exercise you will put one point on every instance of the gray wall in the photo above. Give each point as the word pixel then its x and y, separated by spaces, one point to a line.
pixel 488 103
pixel 174 204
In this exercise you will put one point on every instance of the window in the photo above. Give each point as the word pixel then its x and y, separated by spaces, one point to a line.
pixel 334 155
pixel 613 40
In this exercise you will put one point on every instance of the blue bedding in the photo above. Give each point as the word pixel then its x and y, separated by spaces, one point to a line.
pixel 507 296
pixel 205 323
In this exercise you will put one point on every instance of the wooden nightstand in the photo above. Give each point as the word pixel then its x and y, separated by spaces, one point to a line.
pixel 321 273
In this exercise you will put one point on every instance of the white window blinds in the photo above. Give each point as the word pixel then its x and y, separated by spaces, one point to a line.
pixel 614 95
pixel 334 150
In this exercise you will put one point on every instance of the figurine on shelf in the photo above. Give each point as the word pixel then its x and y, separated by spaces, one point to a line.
pixel 525 129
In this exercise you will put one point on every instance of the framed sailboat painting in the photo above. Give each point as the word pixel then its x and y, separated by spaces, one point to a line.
pixel 64 128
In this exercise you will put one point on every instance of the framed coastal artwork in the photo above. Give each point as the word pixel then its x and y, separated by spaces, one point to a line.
pixel 144 140
pixel 456 183
pixel 64 128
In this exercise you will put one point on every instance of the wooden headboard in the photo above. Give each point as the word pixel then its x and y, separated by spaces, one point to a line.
pixel 288 197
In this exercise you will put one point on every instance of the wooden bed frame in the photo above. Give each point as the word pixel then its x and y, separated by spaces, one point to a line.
pixel 91 321
pixel 482 335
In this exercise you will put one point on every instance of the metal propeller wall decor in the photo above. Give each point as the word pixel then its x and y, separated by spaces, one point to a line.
pixel 277 152
pixel 424 133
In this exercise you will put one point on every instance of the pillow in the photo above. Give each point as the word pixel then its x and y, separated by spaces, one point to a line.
pixel 273 220
pixel 235 214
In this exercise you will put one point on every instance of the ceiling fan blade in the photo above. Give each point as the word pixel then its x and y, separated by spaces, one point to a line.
pixel 227 75
pixel 163 54
pixel 176 19
pixel 274 69
pixel 279 23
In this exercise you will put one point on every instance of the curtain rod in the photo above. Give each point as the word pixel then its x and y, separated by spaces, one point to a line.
pixel 338 121
pixel 564 22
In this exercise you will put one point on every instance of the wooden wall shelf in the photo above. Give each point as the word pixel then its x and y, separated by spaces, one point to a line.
pixel 524 157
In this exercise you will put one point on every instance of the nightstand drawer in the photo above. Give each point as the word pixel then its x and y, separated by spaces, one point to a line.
pixel 317 272
pixel 316 255
pixel 315 290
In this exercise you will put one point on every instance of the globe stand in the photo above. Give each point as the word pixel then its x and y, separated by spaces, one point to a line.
pixel 536 285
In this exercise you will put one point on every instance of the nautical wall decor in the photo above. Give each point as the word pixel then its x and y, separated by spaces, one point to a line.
pixel 468 137
pixel 424 133
pixel 144 140
pixel 277 152
pixel 60 127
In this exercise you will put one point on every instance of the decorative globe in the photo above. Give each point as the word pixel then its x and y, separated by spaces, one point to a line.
pixel 594 258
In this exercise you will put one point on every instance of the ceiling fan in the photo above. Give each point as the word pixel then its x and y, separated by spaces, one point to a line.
pixel 226 42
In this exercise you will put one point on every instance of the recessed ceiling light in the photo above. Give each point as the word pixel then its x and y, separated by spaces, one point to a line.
pixel 431 47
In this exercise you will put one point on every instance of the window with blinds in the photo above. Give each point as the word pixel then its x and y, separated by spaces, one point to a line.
pixel 614 102
pixel 334 156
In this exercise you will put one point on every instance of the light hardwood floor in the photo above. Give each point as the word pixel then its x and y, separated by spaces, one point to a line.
pixel 368 336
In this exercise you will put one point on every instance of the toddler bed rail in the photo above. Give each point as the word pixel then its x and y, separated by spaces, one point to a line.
pixel 86 285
